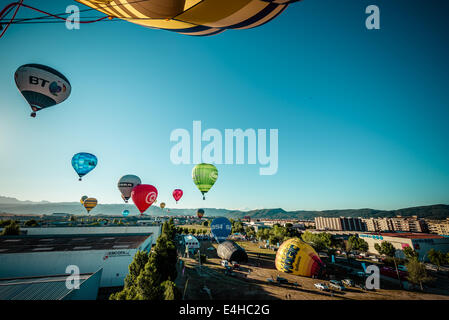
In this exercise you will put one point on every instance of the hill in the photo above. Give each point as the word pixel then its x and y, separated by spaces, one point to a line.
pixel 14 206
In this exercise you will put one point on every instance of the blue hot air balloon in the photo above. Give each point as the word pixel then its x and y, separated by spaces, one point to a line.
pixel 83 163
pixel 125 213
pixel 221 228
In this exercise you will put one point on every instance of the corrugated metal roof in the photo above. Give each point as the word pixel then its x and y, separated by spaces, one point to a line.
pixel 37 288
pixel 46 243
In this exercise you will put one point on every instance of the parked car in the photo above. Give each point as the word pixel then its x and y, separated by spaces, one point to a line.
pixel 348 282
pixel 235 265
pixel 224 263
pixel 336 286
pixel 321 286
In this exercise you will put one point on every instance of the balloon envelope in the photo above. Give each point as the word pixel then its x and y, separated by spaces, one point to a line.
pixel 126 185
pixel 193 17
pixel 162 205
pixel 204 176
pixel 221 228
pixel 143 196
pixel 177 194
pixel 41 86
pixel 83 163
pixel 297 257
pixel 125 213
pixel 83 198
pixel 200 213
pixel 90 203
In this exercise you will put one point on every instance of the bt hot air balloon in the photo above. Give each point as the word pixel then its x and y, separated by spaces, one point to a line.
pixel 162 205
pixel 297 257
pixel 83 198
pixel 200 213
pixel 125 213
pixel 83 163
pixel 177 194
pixel 193 17
pixel 204 176
pixel 126 185
pixel 41 86
pixel 89 204
pixel 143 196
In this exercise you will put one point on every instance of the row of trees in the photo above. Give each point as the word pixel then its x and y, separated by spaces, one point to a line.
pixel 151 275
pixel 276 234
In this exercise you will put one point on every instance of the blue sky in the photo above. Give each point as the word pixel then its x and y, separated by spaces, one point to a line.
pixel 362 115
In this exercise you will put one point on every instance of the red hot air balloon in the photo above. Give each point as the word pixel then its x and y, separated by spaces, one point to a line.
pixel 177 194
pixel 143 196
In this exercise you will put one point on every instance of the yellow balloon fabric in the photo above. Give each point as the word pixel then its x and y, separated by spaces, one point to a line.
pixel 297 257
pixel 90 203
pixel 193 17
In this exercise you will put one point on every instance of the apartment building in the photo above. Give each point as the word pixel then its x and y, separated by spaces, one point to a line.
pixel 339 224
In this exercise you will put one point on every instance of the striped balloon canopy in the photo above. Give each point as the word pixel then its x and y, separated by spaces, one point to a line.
pixel 193 17
pixel 90 203
pixel 204 176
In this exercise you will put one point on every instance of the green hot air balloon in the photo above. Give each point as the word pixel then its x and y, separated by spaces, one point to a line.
pixel 204 176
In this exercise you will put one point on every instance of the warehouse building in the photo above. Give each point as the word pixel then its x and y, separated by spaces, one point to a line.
pixel 50 288
pixel 45 255
pixel 420 242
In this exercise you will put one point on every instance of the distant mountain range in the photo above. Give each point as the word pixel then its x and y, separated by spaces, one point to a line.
pixel 15 206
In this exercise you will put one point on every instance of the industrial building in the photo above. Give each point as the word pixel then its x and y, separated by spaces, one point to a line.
pixel 420 242
pixel 49 254
pixel 50 288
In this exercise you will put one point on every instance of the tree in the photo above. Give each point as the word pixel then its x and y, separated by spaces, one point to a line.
pixel 4 223
pixel 136 267
pixel 31 223
pixel 386 248
pixel 171 292
pixel 410 253
pixel 417 273
pixel 72 218
pixel 357 243
pixel 12 229
pixel 436 257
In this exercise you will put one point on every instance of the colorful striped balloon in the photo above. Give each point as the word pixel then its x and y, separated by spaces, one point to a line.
pixel 193 17
pixel 90 203
pixel 204 176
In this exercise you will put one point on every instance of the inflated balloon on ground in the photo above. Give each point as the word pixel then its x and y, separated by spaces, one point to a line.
pixel 297 257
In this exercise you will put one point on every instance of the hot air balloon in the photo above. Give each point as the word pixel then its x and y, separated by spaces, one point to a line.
pixel 200 213
pixel 193 17
pixel 126 185
pixel 83 198
pixel 221 228
pixel 143 196
pixel 204 176
pixel 177 194
pixel 41 86
pixel 297 257
pixel 125 213
pixel 90 203
pixel 83 163
pixel 162 205
pixel 231 251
